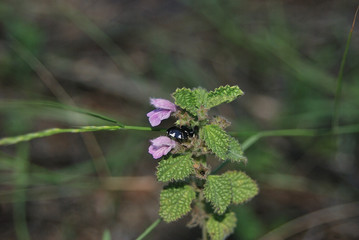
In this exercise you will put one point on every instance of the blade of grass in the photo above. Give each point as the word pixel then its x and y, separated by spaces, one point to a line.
pixel 55 105
pixel 149 229
pixel 40 174
pixel 106 235
pixel 277 133
pixel 19 196
pixel 262 43
pixel 53 131
pixel 333 214
pixel 40 192
pixel 116 54
pixel 57 90
pixel 292 133
pixel 338 92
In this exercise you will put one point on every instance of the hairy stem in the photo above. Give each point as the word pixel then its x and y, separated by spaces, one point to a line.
pixel 204 232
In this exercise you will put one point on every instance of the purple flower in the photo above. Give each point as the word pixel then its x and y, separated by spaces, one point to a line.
pixel 163 110
pixel 161 146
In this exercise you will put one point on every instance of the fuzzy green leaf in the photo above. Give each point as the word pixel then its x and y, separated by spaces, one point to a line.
pixel 219 227
pixel 217 191
pixel 223 94
pixel 231 187
pixel 216 139
pixel 175 202
pixel 243 188
pixel 235 153
pixel 201 96
pixel 175 168
pixel 186 99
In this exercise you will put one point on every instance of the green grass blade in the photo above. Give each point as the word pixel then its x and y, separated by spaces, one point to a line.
pixel 20 195
pixel 55 105
pixel 277 133
pixel 118 56
pixel 338 92
pixel 53 131
pixel 106 235
pixel 149 229
pixel 293 133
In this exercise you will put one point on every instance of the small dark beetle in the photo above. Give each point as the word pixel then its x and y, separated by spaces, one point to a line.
pixel 182 133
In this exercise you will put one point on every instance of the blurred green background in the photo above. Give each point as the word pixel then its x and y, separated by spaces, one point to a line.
pixel 112 56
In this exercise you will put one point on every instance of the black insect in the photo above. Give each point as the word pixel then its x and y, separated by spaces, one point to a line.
pixel 182 133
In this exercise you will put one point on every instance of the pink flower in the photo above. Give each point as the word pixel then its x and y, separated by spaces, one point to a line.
pixel 161 146
pixel 163 110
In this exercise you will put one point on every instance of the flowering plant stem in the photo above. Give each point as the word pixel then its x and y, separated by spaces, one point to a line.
pixel 274 133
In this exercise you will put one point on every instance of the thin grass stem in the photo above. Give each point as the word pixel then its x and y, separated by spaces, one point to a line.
pixel 53 131
pixel 292 133
pixel 106 235
pixel 338 93
pixel 116 54
pixel 20 195
pixel 56 105
pixel 149 229
pixel 277 133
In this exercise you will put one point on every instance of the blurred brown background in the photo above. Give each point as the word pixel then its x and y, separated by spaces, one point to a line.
pixel 112 56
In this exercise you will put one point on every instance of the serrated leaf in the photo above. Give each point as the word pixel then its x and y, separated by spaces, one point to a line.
pixel 235 153
pixel 186 99
pixel 223 94
pixel 201 95
pixel 216 139
pixel 217 191
pixel 175 202
pixel 231 187
pixel 219 227
pixel 243 188
pixel 175 168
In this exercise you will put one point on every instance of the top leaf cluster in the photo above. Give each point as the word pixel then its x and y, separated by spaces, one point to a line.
pixel 194 100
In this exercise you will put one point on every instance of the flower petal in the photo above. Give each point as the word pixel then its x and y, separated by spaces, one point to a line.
pixel 158 152
pixel 161 146
pixel 163 104
pixel 163 141
pixel 156 116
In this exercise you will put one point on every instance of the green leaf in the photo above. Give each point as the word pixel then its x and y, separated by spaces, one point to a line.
pixel 175 202
pixel 235 153
pixel 175 168
pixel 198 98
pixel 219 227
pixel 186 99
pixel 231 187
pixel 243 188
pixel 222 94
pixel 217 191
pixel 216 139
pixel 201 96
